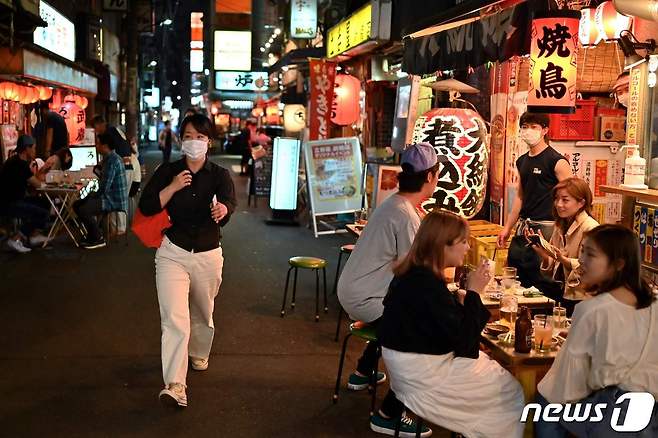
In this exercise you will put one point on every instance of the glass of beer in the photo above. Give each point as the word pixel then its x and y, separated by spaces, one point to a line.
pixel 543 332
pixel 509 277
pixel 559 319
pixel 509 306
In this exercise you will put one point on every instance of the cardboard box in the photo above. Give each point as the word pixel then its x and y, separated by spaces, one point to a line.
pixel 612 128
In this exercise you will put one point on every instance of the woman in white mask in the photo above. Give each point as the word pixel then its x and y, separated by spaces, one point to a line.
pixel 199 197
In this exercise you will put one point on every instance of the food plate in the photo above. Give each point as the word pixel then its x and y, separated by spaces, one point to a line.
pixel 494 296
pixel 494 329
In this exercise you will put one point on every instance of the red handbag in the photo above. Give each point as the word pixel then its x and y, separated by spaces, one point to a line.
pixel 150 229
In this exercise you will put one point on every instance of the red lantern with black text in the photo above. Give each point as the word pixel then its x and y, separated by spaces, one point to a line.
pixel 74 116
pixel 345 107
pixel 553 62
pixel 459 137
pixel 609 22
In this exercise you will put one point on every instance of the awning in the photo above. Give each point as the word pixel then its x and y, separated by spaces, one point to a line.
pixel 33 64
pixel 473 43
pixel 298 56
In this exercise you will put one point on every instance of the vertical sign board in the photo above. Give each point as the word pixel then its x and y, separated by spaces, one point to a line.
pixel 196 42
pixel 285 168
pixel 303 18
pixel 334 177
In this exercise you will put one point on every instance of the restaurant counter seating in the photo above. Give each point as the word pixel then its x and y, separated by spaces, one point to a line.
pixel 345 249
pixel 368 333
pixel 314 264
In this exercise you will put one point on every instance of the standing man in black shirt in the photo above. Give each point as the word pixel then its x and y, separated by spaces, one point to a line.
pixel 199 197
pixel 117 139
pixel 166 139
pixel 540 169
pixel 53 130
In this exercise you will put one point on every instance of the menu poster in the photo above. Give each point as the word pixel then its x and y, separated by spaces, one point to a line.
pixel 387 183
pixel 334 175
pixel 263 173
pixel 8 140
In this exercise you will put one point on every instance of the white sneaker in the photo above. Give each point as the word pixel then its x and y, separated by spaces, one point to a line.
pixel 17 245
pixel 38 240
pixel 174 396
pixel 199 364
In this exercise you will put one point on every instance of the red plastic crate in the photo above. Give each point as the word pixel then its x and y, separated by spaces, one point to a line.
pixel 577 126
pixel 615 112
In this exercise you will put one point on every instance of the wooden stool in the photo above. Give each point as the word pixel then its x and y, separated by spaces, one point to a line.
pixel 315 264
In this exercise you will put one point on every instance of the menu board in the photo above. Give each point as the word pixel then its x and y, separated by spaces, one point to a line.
pixel 263 173
pixel 334 173
pixel 8 140
pixel 285 171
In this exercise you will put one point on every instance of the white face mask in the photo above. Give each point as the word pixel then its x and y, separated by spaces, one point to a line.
pixel 531 136
pixel 194 149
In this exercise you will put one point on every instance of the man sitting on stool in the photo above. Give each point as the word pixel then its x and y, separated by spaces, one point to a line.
pixel 112 194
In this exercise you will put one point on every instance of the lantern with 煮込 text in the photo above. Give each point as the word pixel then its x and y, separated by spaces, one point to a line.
pixel 553 62
pixel 345 107
pixel 74 116
pixel 609 22
pixel 294 117
pixel 588 32
pixel 459 137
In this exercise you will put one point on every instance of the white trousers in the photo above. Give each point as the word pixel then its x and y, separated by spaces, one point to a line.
pixel 187 285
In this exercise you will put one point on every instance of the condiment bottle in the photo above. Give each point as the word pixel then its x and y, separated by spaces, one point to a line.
pixel 523 331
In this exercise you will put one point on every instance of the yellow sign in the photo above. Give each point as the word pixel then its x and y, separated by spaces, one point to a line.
pixel 350 32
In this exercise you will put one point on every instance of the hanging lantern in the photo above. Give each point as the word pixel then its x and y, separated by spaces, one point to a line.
pixel 272 115
pixel 29 96
pixel 609 22
pixel 84 102
pixel 459 137
pixel 553 62
pixel 257 112
pixel 294 117
pixel 74 116
pixel 588 32
pixel 345 107
pixel 45 93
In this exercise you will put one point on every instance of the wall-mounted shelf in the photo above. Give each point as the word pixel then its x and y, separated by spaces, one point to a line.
pixel 649 195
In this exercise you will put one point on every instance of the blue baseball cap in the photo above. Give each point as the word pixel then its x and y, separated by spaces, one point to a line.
pixel 420 156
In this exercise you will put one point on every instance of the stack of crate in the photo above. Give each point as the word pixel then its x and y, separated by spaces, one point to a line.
pixel 482 241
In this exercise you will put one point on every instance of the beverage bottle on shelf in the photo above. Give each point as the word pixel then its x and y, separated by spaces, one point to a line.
pixel 523 331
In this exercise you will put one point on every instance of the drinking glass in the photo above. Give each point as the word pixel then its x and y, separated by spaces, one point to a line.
pixel 543 332
pixel 559 319
pixel 509 276
pixel 509 306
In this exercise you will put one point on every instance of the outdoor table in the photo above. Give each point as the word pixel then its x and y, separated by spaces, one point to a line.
pixel 527 368
pixel 63 212
pixel 532 303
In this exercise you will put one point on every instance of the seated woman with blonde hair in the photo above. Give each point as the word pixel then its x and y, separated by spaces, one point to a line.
pixel 430 339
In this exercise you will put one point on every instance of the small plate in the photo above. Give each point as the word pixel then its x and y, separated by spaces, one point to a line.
pixel 494 329
pixel 494 296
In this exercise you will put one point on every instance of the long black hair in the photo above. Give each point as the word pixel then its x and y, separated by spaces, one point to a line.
pixel 622 248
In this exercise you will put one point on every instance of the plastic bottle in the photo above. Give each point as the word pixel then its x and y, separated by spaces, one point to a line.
pixel 634 168
pixel 523 331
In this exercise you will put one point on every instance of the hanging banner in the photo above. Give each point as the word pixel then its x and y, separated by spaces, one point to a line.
pixel 459 137
pixel 323 75
pixel 303 18
pixel 553 62
pixel 496 38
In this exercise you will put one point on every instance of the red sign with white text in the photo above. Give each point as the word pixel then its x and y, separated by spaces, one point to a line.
pixel 323 75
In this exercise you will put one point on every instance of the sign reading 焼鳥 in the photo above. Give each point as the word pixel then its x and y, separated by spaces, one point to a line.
pixel 323 75
pixel 459 137
pixel 553 62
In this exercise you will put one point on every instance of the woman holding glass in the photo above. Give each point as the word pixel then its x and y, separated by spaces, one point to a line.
pixel 572 209
pixel 611 348
pixel 430 339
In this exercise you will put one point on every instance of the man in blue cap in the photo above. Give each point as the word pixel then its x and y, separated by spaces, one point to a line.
pixel 368 272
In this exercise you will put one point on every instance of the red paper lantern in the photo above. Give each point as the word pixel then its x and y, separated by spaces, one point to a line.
pixel 459 137
pixel 74 116
pixel 45 93
pixel 29 95
pixel 345 107
pixel 588 32
pixel 553 62
pixel 609 22
pixel 84 102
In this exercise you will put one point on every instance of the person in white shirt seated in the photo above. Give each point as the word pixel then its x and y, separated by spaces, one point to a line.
pixel 611 348
pixel 430 339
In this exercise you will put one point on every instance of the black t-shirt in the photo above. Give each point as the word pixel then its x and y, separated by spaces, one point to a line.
pixel 13 180
pixel 168 139
pixel 537 181
pixel 117 141
pixel 60 134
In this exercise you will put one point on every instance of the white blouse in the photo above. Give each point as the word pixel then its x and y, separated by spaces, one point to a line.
pixel 604 343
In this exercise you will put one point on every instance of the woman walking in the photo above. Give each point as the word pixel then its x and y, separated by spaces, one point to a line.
pixel 199 197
